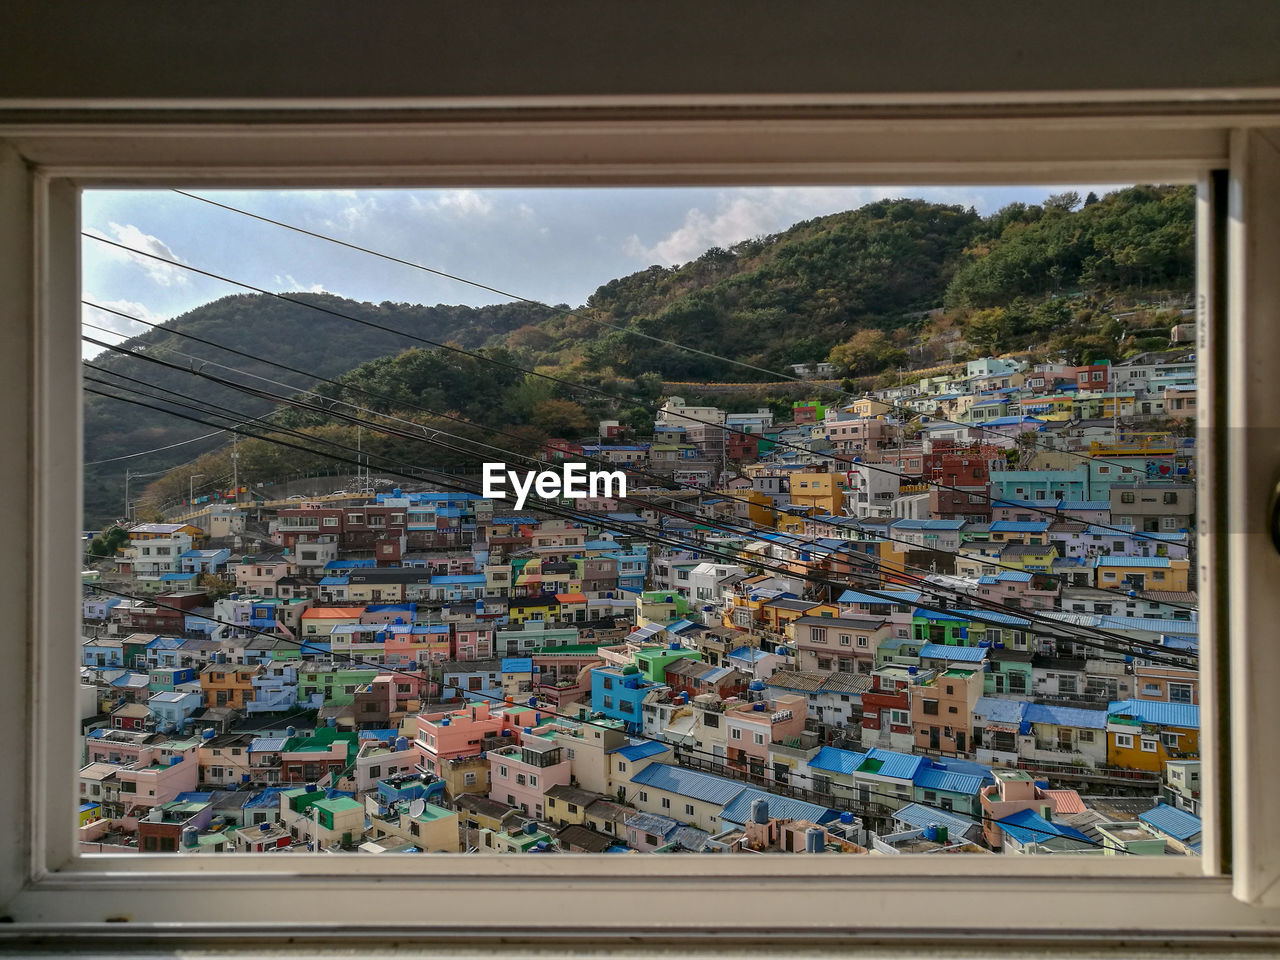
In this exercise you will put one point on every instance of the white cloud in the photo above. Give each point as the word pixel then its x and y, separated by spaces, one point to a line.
pixel 742 214
pixel 353 216
pixel 163 274
pixel 120 327
pixel 289 283
pixel 459 203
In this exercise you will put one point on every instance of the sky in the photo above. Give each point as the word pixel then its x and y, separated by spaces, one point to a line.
pixel 554 245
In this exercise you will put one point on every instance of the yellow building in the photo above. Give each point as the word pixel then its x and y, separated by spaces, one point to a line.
pixel 821 491
pixel 1141 573
pixel 1144 734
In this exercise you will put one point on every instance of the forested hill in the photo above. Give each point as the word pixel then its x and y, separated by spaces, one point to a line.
pixel 794 296
pixel 261 326
pixel 893 285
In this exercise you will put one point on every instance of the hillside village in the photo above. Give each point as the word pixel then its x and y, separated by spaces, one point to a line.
pixel 951 616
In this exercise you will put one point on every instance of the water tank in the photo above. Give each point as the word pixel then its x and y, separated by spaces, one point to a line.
pixel 531 828
pixel 155 815
pixel 760 810
pixel 264 827
pixel 847 818
pixel 333 721
pixel 506 732
pixel 912 671
pixel 244 778
pixel 814 840
pixel 532 701
pixel 759 707
pixel 208 733
pixel 528 730
pixel 402 744
pixel 190 837
pixel 311 788
pixel 290 731
pixel 941 834
pixel 630 670
pixel 444 722
pixel 756 685
pixel 931 833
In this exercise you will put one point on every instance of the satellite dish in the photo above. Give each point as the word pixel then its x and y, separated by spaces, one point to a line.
pixel 417 808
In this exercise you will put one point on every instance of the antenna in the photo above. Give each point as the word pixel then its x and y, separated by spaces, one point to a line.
pixel 417 808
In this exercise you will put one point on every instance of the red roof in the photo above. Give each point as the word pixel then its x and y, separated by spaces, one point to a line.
pixel 571 597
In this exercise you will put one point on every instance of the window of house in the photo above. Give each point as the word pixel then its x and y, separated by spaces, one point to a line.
pixel 1124 741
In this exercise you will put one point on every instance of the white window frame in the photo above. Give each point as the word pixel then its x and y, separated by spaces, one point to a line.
pixel 912 138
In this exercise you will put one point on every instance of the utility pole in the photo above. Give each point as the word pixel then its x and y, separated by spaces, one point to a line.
pixel 235 468
pixel 191 489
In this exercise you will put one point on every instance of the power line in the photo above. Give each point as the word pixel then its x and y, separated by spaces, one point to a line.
pixel 1127 643
pixel 979 601
pixel 347 658
pixel 584 315
pixel 546 376
pixel 986 561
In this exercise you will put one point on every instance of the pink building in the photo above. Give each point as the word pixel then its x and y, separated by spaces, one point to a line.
pixel 751 727
pixel 1015 791
pixel 472 640
pixel 460 733
pixel 146 771
pixel 520 776
pixel 259 575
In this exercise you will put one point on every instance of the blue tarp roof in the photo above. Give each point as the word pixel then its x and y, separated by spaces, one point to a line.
pixel 517 665
pixel 1020 526
pixel 335 581
pixel 1027 826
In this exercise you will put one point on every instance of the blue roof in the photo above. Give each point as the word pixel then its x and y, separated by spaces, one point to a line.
pixel 1085 505
pixel 1176 823
pixel 334 581
pixel 641 749
pixel 1131 562
pixel 517 665
pixel 993 616
pixel 1008 421
pixel 1027 826
pixel 463 578
pixel 1158 712
pixel 836 760
pixel 1020 526
pixel 894 764
pixel 999 710
pixel 738 810
pixel 269 797
pixel 920 816
pixel 1066 716
pixel 752 654
pixel 688 783
pixel 938 651
pixel 886 597
pixel 929 777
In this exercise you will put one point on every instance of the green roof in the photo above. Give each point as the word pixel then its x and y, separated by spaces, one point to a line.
pixel 337 804
pixel 432 812
pixel 567 648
